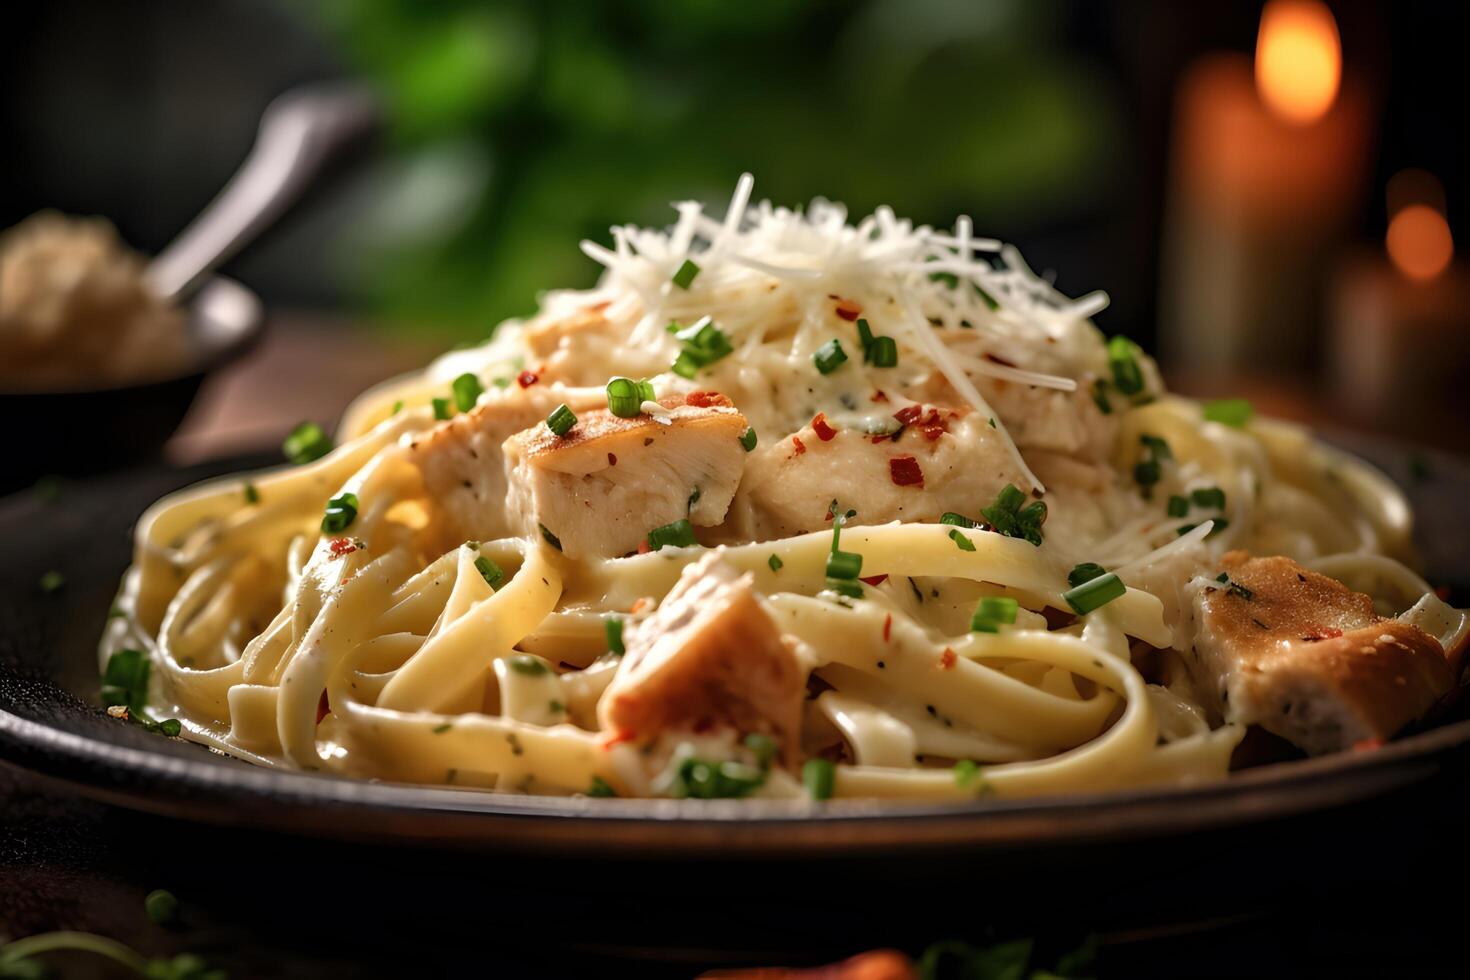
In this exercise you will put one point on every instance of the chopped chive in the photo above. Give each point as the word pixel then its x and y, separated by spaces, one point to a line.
pixel 1085 572
pixel 865 336
pixel 1220 525
pixel 747 439
pixel 1157 448
pixel 491 572
pixel 1146 472
pixel 1094 594
pixel 601 789
pixel 994 612
pixel 501 382
pixel 1100 397
pixel 528 665
pixel 844 564
pixel 307 442
pixel 341 512
pixel 679 534
pixel 957 520
pixel 441 408
pixel 624 398
pixel 161 906
pixel 830 356
pixel 1123 359
pixel 966 771
pixel 819 777
pixel 883 352
pixel 1178 506
pixel 703 780
pixel 467 391
pixel 252 495
pixel 992 422
pixel 1212 497
pixel 1234 412
pixel 763 746
pixel 612 629
pixel 397 407
pixel 169 726
pixel 441 729
pixel 961 541
pixel 701 344
pixel 1006 516
pixel 549 538
pixel 51 582
pixel 685 276
pixel 561 420
pixel 845 586
pixel 775 563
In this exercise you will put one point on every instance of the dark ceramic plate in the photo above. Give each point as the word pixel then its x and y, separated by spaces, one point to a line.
pixel 1288 821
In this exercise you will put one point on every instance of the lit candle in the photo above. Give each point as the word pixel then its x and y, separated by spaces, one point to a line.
pixel 1267 165
pixel 1400 348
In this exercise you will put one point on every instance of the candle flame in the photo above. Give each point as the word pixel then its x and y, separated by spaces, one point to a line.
pixel 1298 59
pixel 1419 242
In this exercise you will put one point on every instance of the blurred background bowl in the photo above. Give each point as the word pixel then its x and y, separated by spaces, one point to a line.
pixel 84 431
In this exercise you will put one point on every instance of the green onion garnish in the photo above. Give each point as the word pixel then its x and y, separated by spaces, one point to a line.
pixel 775 563
pixel 1094 594
pixel 625 397
pixel 865 336
pixel 397 407
pixel 1006 516
pixel 1157 448
pixel 957 520
pixel 961 541
pixel 992 613
pixel 561 420
pixel 601 789
pixel 845 586
pixel 830 356
pixel 679 534
pixel 491 572
pixel 844 565
pixel 1235 412
pixel 1100 397
pixel 1178 506
pixel 341 512
pixel 701 345
pixel 51 581
pixel 1085 572
pixel 703 780
pixel 966 771
pixel 1123 358
pixel 882 352
pixel 763 746
pixel 161 907
pixel 252 495
pixel 747 439
pixel 1212 497
pixel 467 390
pixel 306 442
pixel 685 276
pixel 441 408
pixel 612 628
pixel 1146 472
pixel 125 680
pixel 819 776
pixel 549 538
pixel 524 663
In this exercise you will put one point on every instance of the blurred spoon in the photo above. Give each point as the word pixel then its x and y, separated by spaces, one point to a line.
pixel 301 133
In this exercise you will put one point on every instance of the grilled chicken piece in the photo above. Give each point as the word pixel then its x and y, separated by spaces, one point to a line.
pixel 944 459
pixel 604 485
pixel 1305 657
pixel 462 465
pixel 710 657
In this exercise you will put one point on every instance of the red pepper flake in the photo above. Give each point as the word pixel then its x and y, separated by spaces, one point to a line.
pixel 824 431
pixel 706 399
pixel 526 379
pixel 905 472
pixel 800 446
pixel 643 547
pixel 614 738
pixel 639 604
pixel 879 396
pixel 848 310
pixel 1368 745
pixel 612 460
pixel 323 707
pixel 1323 633
pixel 947 659
pixel 875 440
pixel 342 546
pixel 887 621
pixel 909 414
pixel 996 359
pixel 875 579
pixel 934 425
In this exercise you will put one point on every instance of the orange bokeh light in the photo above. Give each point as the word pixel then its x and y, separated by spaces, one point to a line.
pixel 1419 242
pixel 1298 59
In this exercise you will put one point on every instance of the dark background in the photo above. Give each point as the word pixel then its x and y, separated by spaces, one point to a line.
pixel 521 127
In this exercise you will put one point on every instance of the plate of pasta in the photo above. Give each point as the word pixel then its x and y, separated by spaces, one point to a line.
pixel 794 518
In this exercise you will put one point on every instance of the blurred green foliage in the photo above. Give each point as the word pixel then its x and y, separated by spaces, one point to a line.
pixel 521 127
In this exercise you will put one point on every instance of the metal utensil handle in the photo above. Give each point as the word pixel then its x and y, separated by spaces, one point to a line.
pixel 301 132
